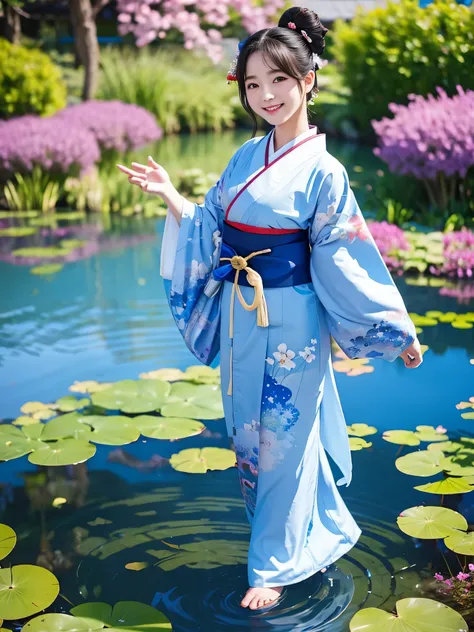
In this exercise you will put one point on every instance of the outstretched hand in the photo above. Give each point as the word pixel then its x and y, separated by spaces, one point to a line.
pixel 152 178
pixel 412 355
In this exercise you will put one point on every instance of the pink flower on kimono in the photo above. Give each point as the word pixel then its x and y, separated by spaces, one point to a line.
pixel 358 228
pixel 284 357
pixel 307 355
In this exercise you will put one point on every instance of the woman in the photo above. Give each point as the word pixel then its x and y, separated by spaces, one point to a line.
pixel 282 232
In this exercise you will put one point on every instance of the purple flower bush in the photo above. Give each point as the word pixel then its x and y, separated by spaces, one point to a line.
pixel 388 238
pixel 116 126
pixel 56 145
pixel 432 139
pixel 458 251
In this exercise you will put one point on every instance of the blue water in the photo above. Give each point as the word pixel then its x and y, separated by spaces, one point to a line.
pixel 106 318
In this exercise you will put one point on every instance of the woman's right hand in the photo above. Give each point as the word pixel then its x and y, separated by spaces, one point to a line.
pixel 152 178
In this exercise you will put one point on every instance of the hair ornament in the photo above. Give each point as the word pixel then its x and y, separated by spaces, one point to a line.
pixel 231 73
pixel 306 36
pixel 319 62
pixel 292 25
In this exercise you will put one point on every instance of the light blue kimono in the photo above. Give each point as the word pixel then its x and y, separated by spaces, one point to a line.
pixel 284 412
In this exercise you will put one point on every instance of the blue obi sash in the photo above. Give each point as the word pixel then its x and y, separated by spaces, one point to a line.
pixel 287 264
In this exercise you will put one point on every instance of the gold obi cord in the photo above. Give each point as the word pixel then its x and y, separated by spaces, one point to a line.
pixel 259 302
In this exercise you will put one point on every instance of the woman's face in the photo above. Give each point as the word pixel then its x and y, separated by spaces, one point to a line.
pixel 271 93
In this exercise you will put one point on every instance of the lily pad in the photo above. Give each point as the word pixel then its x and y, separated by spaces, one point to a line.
pixel 125 615
pixel 198 461
pixel 193 401
pixel 69 403
pixel 357 443
pixel 61 623
pixel 431 523
pixel 72 244
pixel 26 590
pixel 89 386
pixel 63 452
pixel 66 426
pixel 24 420
pixel 18 214
pixel 202 555
pixel 40 252
pixel 459 464
pixel 361 430
pixel 32 407
pixel 421 463
pixel 168 375
pixel 47 268
pixel 467 415
pixel 462 543
pixel 423 321
pixel 133 396
pixel 7 540
pixel 414 614
pixel 17 231
pixel 401 437
pixel 446 446
pixel 13 443
pixel 112 430
pixel 461 324
pixel 450 485
pixel 168 427
pixel 428 433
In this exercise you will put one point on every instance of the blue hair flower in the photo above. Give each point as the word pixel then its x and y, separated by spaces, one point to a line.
pixel 242 43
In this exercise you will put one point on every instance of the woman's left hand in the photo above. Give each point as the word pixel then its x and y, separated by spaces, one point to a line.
pixel 412 355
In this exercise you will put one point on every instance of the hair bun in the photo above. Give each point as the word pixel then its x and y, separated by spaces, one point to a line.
pixel 308 21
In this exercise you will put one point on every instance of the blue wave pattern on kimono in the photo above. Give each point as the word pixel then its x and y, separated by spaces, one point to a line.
pixel 284 413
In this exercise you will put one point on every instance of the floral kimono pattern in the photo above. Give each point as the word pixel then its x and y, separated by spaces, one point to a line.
pixel 284 414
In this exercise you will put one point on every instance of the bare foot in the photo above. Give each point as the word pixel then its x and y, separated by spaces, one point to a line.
pixel 260 597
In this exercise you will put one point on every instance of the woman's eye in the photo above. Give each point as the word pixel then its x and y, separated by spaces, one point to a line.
pixel 249 85
pixel 280 78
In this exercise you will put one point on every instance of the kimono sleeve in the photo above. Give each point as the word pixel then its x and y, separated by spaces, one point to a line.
pixel 364 310
pixel 190 251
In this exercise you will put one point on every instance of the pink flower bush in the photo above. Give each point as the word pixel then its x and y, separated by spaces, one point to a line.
pixel 55 144
pixel 429 136
pixel 148 20
pixel 458 587
pixel 389 237
pixel 115 125
pixel 458 250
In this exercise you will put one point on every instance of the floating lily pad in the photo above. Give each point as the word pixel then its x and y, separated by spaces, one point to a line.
pixel 124 616
pixel 33 431
pixel 7 541
pixel 423 321
pixel 357 443
pixel 167 375
pixel 448 317
pixel 89 386
pixel 201 374
pixel 421 463
pixel 462 543
pixel 459 464
pixel 450 485
pixel 136 566
pixel 52 622
pixel 112 430
pixel 66 426
pixel 428 433
pixel 461 324
pixel 401 437
pixel 46 252
pixel 69 403
pixel 26 590
pixel 353 368
pixel 431 523
pixel 445 446
pixel 168 427
pixel 415 614
pixel 193 401
pixel 17 231
pixel 361 430
pixel 32 407
pixel 63 452
pixel 133 396
pixel 198 461
pixel 48 268
pixel 24 420
pixel 13 443
pixel 72 244
pixel 467 415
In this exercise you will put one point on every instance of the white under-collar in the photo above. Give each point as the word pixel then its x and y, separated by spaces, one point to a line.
pixel 313 131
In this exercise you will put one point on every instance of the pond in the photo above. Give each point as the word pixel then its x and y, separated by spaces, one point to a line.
pixel 104 317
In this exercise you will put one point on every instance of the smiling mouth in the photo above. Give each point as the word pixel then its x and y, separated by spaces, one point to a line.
pixel 273 108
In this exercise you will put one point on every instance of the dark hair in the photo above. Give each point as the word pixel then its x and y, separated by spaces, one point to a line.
pixel 286 49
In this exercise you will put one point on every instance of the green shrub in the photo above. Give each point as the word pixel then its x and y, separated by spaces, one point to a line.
pixel 29 82
pixel 391 52
pixel 184 91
